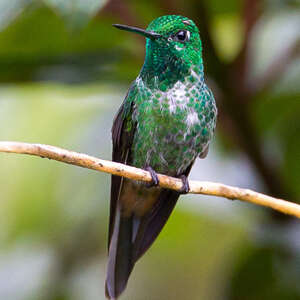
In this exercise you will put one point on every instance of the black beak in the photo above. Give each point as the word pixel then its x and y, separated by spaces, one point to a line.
pixel 148 34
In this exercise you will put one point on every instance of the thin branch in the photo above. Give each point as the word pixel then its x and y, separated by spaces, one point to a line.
pixel 196 187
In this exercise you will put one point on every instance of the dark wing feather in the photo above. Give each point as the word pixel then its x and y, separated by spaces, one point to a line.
pixel 120 228
pixel 122 141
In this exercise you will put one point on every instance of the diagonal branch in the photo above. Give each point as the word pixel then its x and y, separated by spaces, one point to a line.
pixel 196 187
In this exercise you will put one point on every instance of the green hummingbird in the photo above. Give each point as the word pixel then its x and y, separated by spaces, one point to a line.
pixel 166 121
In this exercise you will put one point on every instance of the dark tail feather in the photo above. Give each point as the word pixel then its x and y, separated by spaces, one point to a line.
pixel 120 261
pixel 153 223
pixel 131 237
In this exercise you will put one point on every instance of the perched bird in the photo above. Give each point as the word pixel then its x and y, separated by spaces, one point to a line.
pixel 166 121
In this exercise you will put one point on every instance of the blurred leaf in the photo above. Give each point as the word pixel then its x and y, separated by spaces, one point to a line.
pixel 291 164
pixel 76 12
pixel 273 112
pixel 224 7
pixel 277 120
pixel 227 32
pixel 49 51
pixel 264 275
pixel 10 9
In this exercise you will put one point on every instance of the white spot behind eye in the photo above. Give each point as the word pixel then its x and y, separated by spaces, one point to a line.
pixel 188 34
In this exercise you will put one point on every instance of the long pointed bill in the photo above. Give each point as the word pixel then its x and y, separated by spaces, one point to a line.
pixel 145 33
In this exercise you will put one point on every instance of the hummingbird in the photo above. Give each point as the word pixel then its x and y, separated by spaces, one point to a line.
pixel 166 121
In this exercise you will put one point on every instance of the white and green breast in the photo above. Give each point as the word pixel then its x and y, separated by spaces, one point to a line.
pixel 173 126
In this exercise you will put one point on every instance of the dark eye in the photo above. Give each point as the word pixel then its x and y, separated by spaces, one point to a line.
pixel 182 36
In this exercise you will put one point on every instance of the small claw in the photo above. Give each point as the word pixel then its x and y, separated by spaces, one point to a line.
pixel 155 181
pixel 185 185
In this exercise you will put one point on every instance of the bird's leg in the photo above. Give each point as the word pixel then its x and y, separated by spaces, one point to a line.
pixel 153 174
pixel 185 185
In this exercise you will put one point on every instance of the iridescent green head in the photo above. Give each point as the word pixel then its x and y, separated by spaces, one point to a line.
pixel 173 43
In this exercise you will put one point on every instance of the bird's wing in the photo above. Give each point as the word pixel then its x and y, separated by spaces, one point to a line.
pixel 122 136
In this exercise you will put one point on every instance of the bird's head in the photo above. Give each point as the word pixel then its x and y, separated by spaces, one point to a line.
pixel 172 41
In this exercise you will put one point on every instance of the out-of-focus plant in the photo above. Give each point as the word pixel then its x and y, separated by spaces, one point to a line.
pixel 75 12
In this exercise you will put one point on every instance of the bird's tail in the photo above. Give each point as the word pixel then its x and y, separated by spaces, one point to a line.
pixel 131 237
pixel 120 261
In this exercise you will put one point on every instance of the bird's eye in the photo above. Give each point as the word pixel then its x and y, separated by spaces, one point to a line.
pixel 182 36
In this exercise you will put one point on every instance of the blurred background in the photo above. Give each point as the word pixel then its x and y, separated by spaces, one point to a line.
pixel 64 71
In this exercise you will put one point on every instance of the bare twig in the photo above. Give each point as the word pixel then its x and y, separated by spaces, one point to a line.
pixel 196 187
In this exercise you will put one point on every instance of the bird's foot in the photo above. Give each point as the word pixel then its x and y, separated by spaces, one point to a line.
pixel 185 185
pixel 155 181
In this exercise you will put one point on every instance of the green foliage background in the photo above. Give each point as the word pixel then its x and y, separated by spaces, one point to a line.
pixel 64 71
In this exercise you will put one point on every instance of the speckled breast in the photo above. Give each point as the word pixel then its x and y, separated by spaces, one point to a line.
pixel 173 127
